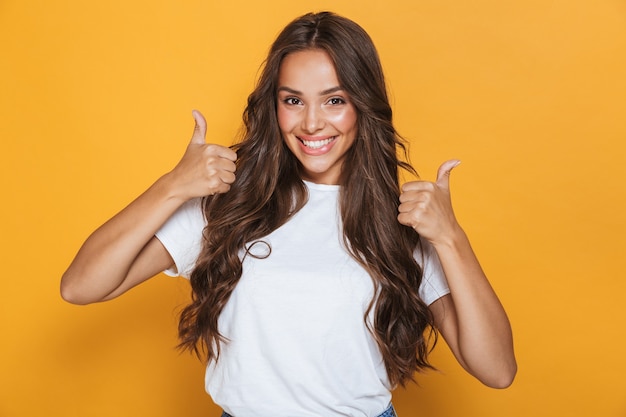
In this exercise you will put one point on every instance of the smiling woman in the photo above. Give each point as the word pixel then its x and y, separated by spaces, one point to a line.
pixel 317 120
pixel 360 275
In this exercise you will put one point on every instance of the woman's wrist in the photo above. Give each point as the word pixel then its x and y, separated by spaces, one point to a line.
pixel 452 240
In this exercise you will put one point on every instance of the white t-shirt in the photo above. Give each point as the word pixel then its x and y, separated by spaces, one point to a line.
pixel 298 345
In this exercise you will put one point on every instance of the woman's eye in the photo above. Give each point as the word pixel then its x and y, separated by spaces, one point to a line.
pixel 292 101
pixel 336 100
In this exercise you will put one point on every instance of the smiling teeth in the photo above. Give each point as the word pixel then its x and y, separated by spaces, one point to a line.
pixel 316 144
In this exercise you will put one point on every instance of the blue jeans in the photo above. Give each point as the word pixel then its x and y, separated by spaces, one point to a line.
pixel 389 412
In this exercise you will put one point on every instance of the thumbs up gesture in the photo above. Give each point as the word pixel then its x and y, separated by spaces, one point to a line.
pixel 205 169
pixel 427 208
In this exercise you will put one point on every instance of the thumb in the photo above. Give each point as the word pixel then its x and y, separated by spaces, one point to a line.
pixel 443 174
pixel 199 131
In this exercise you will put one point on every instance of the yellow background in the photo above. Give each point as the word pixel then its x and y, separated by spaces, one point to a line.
pixel 95 104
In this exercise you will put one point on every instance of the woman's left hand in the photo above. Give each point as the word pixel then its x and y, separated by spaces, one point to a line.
pixel 427 207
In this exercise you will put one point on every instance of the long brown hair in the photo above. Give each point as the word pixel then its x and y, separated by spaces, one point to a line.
pixel 268 190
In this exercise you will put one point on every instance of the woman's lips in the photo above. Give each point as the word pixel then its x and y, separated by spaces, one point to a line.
pixel 316 146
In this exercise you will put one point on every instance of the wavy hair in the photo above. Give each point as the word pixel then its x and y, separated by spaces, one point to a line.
pixel 268 190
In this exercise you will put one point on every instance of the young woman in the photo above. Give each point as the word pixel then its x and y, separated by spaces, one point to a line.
pixel 318 284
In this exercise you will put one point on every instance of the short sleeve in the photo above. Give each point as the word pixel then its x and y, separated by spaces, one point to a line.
pixel 181 235
pixel 434 284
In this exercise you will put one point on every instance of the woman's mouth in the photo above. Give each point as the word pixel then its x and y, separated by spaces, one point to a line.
pixel 317 144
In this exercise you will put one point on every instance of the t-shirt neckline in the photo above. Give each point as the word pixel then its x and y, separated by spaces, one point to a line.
pixel 321 187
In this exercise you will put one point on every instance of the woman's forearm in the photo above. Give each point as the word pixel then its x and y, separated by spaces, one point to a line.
pixel 484 342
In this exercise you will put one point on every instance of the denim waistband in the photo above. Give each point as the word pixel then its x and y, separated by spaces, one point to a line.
pixel 389 412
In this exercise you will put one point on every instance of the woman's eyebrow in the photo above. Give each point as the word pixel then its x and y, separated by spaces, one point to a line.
pixel 322 93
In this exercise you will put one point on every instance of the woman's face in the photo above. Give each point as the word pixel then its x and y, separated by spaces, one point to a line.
pixel 317 120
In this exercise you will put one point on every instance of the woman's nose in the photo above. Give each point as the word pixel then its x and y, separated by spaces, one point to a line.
pixel 313 119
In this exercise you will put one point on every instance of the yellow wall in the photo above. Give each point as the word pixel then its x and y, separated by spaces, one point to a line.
pixel 95 103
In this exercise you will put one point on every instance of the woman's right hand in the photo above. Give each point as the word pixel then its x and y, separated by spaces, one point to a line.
pixel 205 169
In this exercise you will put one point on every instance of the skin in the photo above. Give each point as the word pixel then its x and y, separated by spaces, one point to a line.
pixel 123 252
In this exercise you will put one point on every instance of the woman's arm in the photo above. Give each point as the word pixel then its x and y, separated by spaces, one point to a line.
pixel 123 252
pixel 471 318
